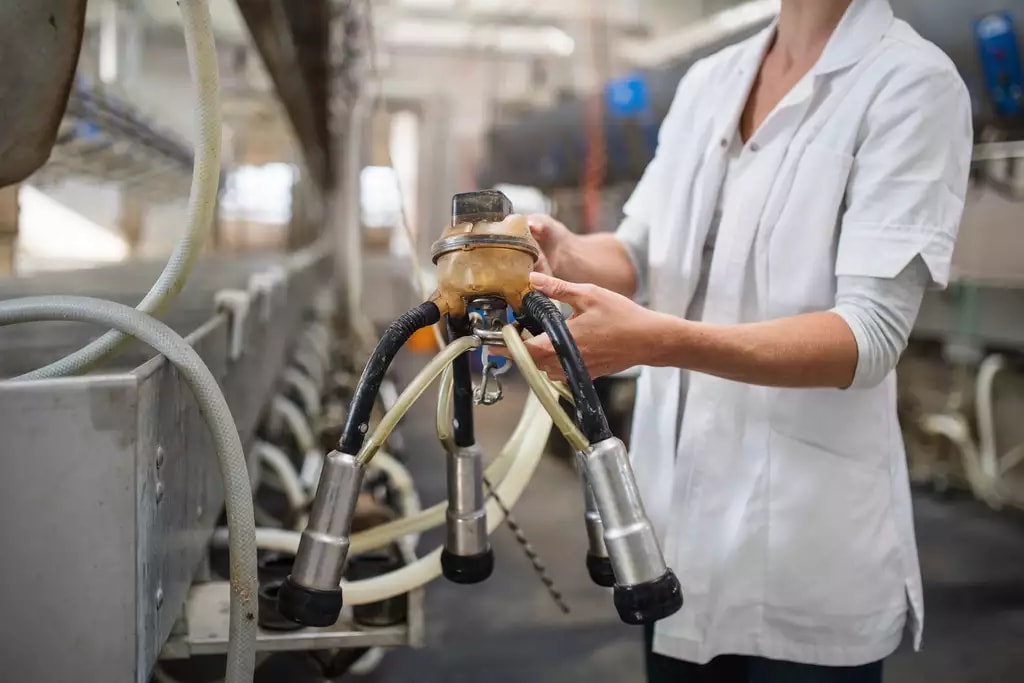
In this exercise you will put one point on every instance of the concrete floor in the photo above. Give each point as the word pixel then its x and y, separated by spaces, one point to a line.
pixel 507 630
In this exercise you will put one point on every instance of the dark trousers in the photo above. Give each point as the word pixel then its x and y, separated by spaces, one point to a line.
pixel 743 669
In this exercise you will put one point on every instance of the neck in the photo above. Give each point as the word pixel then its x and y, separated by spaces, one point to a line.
pixel 806 25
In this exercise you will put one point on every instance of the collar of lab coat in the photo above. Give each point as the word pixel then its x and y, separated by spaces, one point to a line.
pixel 862 26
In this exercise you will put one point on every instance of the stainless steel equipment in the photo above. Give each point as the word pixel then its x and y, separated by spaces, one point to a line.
pixel 323 548
pixel 485 254
pixel 466 517
pixel 113 479
pixel 628 535
pixel 599 565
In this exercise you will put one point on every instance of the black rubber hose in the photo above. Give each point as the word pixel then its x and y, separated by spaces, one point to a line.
pixel 530 325
pixel 589 413
pixel 462 388
pixel 395 337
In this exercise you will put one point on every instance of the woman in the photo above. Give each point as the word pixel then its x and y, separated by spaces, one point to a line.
pixel 806 190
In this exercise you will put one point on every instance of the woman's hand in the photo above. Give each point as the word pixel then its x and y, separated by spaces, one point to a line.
pixel 612 332
pixel 554 240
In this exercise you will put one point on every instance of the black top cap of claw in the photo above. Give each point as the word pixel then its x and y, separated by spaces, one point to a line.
pixel 483 205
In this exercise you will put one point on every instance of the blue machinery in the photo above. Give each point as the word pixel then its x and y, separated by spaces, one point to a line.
pixel 1000 63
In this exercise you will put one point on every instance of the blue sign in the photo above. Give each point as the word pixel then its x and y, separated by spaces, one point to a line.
pixel 1000 62
pixel 627 97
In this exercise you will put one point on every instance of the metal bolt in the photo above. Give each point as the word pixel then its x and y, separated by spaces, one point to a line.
pixel 159 491
pixel 159 456
pixel 159 597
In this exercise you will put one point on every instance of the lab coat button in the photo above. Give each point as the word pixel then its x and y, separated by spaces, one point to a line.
pixel 723 142
pixel 754 147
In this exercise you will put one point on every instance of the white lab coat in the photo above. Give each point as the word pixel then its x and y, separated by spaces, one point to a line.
pixel 786 513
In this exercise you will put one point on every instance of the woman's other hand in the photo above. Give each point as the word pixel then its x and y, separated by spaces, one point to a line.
pixel 611 331
pixel 554 239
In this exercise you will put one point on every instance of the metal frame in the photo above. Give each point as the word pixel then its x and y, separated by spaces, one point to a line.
pixel 113 479
pixel 205 628
pixel 105 137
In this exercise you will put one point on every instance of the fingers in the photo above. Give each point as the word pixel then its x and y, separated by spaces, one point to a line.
pixel 544 228
pixel 542 353
pixel 576 295
pixel 539 220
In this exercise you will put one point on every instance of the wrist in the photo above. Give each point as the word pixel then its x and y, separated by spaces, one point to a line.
pixel 669 338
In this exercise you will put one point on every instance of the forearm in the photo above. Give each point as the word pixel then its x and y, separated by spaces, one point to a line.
pixel 599 259
pixel 805 351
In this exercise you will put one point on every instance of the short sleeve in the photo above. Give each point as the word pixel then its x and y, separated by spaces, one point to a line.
pixel 906 191
pixel 643 204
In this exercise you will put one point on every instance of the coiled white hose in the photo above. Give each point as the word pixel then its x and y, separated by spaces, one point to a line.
pixel 528 454
pixel 412 392
pixel 543 389
pixel 408 498
pixel 306 390
pixel 523 451
pixel 983 400
pixel 216 413
pixel 202 62
pixel 302 432
pixel 443 416
pixel 282 541
pixel 958 432
pixel 434 516
pixel 385 534
pixel 297 423
pixel 308 361
pixel 279 463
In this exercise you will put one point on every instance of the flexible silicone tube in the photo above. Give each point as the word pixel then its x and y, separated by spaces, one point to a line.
pixel 412 392
pixel 279 463
pixel 542 389
pixel 202 63
pixel 527 454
